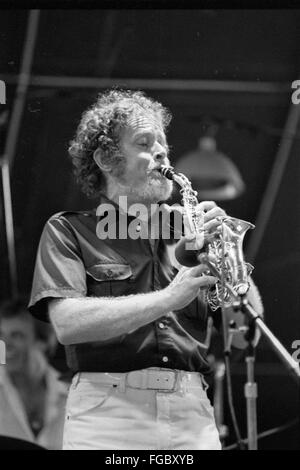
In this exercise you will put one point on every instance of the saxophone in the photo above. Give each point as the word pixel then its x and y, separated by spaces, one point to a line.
pixel 224 250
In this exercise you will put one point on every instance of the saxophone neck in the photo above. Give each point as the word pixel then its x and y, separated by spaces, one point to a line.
pixel 189 199
pixel 179 178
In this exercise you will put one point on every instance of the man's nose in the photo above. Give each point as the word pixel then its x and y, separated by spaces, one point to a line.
pixel 160 153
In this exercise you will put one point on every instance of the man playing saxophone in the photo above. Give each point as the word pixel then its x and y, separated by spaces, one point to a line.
pixel 133 327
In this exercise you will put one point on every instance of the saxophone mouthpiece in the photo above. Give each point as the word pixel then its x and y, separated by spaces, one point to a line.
pixel 167 171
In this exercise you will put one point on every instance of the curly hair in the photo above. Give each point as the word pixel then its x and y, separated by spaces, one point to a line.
pixel 100 128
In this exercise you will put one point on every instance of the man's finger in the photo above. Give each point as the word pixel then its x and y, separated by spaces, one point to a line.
pixel 198 270
pixel 212 225
pixel 206 281
pixel 213 213
pixel 206 205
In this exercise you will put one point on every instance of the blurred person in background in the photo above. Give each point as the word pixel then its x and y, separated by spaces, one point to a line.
pixel 32 398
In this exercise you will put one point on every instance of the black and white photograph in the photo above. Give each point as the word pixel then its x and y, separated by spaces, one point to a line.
pixel 149 230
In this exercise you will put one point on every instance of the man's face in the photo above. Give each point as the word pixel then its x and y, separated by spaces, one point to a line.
pixel 144 148
pixel 19 337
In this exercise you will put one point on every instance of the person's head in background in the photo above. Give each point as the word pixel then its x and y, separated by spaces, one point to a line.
pixel 25 338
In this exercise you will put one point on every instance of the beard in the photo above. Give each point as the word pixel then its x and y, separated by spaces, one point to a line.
pixel 155 189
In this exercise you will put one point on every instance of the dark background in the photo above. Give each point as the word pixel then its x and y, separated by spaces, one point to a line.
pixel 237 45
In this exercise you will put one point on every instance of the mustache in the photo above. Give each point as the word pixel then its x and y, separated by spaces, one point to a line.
pixel 154 168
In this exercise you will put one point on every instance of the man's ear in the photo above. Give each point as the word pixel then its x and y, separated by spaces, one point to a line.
pixel 101 161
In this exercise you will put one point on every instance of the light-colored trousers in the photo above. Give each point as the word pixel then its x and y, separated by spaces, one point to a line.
pixel 105 412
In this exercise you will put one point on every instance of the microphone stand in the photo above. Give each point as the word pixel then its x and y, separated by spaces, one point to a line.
pixel 240 303
pixel 219 375
pixel 250 388
pixel 243 305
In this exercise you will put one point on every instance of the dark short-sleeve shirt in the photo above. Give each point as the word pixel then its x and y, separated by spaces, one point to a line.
pixel 72 261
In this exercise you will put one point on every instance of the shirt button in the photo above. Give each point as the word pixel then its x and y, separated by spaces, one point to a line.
pixel 165 359
pixel 161 325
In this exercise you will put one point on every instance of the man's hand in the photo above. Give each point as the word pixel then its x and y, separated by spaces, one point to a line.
pixel 211 223
pixel 186 285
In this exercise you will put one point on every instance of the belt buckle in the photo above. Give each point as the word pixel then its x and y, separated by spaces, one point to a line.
pixel 155 379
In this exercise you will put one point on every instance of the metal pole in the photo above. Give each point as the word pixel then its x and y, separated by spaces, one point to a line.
pixel 23 81
pixel 11 143
pixel 251 398
pixel 154 84
pixel 9 227
pixel 274 182
pixel 219 376
pixel 278 348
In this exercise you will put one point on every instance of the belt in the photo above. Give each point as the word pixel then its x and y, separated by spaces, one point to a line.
pixel 145 379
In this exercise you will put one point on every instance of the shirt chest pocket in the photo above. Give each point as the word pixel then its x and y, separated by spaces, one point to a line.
pixel 107 280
